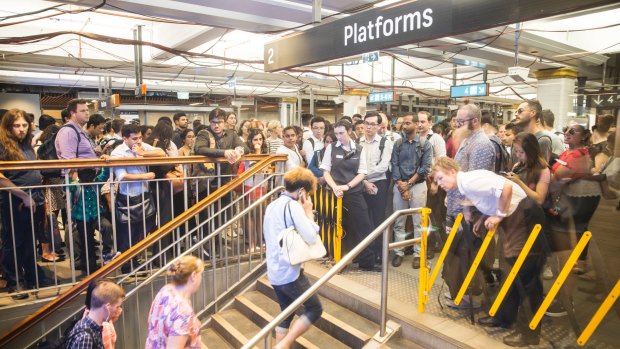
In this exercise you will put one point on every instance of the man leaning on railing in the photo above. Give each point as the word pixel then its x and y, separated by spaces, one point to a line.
pixel 135 209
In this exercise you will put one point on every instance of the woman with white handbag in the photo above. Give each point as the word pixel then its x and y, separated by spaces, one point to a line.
pixel 291 214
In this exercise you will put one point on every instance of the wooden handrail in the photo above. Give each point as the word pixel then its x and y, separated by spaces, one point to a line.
pixel 138 248
pixel 85 163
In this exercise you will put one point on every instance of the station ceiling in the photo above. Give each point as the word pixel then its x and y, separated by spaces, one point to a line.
pixel 216 47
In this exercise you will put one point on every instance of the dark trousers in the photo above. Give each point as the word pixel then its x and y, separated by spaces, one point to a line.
pixel 376 209
pixel 85 242
pixel 18 243
pixel 129 234
pixel 357 225
pixel 527 284
pixel 436 202
pixel 288 293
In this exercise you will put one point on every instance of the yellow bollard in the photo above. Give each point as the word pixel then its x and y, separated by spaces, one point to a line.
pixel 560 280
pixel 444 252
pixel 338 235
pixel 599 315
pixel 475 264
pixel 515 269
pixel 422 293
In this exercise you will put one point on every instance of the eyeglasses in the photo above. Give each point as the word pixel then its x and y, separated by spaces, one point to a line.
pixel 462 122
pixel 372 124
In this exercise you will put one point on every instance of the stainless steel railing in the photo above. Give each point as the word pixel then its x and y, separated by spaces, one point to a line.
pixel 382 230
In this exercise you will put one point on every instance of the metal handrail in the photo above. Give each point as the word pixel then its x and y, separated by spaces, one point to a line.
pixel 86 163
pixel 382 229
pixel 165 267
pixel 138 248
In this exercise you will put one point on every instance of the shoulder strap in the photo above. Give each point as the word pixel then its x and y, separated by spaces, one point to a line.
pixel 77 147
pixel 311 140
pixel 381 147
pixel 288 206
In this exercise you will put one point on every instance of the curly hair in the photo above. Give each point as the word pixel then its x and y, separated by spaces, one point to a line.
pixel 253 132
pixel 299 178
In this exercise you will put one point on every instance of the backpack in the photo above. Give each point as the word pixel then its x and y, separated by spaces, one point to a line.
pixel 502 159
pixel 47 151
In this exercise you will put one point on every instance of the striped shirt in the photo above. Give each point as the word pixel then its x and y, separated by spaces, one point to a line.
pixel 274 144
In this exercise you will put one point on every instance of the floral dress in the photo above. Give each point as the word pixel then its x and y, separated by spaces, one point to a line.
pixel 172 315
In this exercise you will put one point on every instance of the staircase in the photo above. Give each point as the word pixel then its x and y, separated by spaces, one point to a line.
pixel 337 328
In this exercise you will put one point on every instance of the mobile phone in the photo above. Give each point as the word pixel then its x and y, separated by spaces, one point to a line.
pixel 503 173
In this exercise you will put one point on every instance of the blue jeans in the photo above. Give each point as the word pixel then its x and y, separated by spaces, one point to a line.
pixel 288 293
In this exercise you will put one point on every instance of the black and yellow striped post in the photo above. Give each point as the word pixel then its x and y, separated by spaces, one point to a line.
pixel 329 219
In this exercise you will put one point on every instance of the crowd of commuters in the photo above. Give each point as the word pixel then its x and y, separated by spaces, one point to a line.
pixel 510 176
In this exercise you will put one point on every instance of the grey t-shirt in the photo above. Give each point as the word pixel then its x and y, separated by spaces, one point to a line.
pixel 544 140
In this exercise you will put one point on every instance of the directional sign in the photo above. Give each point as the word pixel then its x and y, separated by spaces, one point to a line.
pixel 408 22
pixel 371 57
pixel 606 100
pixel 381 97
pixel 474 90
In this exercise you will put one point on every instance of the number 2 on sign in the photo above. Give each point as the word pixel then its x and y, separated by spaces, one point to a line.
pixel 270 56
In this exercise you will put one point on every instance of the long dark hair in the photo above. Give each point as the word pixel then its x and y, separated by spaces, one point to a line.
pixel 535 162
pixel 162 132
pixel 48 132
pixel 10 143
pixel 253 132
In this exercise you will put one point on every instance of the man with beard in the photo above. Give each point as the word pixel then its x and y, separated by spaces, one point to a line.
pixel 529 118
pixel 411 164
pixel 475 152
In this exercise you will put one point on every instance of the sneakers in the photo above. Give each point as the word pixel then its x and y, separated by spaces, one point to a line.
pixel 518 339
pixel 108 257
pixel 547 274
pixel 416 263
pixel 556 310
pixel 465 304
pixel 447 295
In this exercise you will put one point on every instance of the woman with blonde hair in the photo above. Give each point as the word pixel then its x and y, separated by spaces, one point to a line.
pixel 172 322
pixel 274 131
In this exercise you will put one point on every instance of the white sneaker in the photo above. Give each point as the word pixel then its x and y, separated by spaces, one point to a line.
pixel 547 274
pixel 447 295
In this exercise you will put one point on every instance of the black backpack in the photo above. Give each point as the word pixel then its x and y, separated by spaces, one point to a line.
pixel 47 151
pixel 502 159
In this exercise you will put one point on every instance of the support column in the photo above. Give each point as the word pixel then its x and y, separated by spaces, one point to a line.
pixel 288 111
pixel 355 102
pixel 555 90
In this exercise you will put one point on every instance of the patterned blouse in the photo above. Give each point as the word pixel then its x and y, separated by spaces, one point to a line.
pixel 172 315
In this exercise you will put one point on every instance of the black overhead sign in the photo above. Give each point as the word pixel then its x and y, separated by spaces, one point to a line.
pixel 410 22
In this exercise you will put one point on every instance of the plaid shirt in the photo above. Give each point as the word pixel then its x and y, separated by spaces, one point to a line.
pixel 86 334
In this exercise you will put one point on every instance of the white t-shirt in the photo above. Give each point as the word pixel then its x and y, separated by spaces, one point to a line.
pixel 294 158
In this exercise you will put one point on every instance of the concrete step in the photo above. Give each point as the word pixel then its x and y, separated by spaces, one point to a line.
pixel 262 309
pixel 212 340
pixel 235 328
pixel 339 322
pixel 399 342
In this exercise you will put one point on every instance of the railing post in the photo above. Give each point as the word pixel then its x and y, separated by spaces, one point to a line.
pixel 553 291
pixel 422 293
pixel 599 315
pixel 444 252
pixel 384 280
pixel 515 269
pixel 474 264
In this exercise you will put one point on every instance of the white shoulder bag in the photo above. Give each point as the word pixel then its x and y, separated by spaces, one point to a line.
pixel 294 249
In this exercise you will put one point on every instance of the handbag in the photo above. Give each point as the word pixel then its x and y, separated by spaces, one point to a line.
pixel 294 249
pixel 134 209
pixel 176 178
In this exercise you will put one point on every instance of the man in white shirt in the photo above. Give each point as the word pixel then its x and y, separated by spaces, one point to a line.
pixel 315 141
pixel 384 131
pixel 133 190
pixel 378 152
